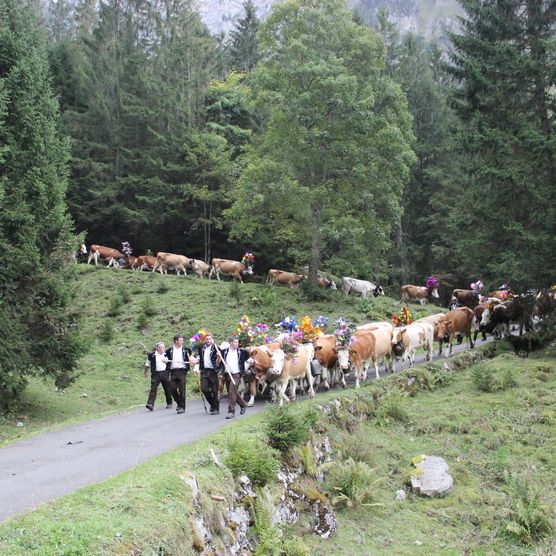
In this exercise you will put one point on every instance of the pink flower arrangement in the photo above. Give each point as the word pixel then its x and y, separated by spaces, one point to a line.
pixel 197 339
pixel 289 343
pixel 343 332
pixel 126 248
pixel 477 286
pixel 248 259
pixel 432 283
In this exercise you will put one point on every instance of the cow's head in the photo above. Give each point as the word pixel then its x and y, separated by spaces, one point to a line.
pixel 453 303
pixel 378 291
pixel 278 360
pixel 322 354
pixel 83 249
pixel 397 340
pixel 343 351
pixel 443 329
pixel 434 293
pixel 485 317
pixel 247 271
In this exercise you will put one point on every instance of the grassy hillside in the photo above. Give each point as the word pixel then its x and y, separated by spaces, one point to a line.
pixel 494 423
pixel 121 309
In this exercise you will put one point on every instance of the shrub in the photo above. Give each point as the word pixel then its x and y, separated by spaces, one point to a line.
pixel 311 292
pixel 148 306
pixel 308 460
pixel 529 519
pixel 106 333
pixel 251 457
pixel 393 407
pixel 482 377
pixel 142 322
pixel 234 292
pixel 124 294
pixel 115 307
pixel 356 446
pixel 287 428
pixel 163 287
pixel 352 484
pixel 509 380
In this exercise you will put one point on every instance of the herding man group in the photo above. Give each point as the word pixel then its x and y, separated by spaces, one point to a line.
pixel 169 367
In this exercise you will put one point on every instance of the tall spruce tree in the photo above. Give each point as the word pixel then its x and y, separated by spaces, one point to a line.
pixel 244 45
pixel 38 333
pixel 504 211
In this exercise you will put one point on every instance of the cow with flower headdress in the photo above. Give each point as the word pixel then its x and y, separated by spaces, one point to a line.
pixel 422 294
pixel 227 267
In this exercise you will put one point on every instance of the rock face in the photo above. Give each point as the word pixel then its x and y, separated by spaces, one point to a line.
pixel 431 477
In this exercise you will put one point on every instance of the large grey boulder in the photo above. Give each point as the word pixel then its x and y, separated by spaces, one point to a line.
pixel 431 477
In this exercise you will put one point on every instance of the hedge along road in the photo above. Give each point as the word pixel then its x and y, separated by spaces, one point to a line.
pixel 53 464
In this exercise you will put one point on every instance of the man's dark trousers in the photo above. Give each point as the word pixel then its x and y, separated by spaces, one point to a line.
pixel 233 396
pixel 209 387
pixel 160 377
pixel 177 385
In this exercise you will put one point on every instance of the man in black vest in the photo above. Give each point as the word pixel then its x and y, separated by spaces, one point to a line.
pixel 178 365
pixel 157 363
pixel 209 373
pixel 233 359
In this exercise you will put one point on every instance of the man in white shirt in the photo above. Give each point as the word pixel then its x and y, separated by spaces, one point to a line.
pixel 209 373
pixel 157 363
pixel 178 365
pixel 235 358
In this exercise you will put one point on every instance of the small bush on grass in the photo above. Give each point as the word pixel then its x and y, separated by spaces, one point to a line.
pixel 509 380
pixel 234 292
pixel 124 294
pixel 529 519
pixel 251 457
pixel 106 333
pixel 483 378
pixel 148 306
pixel 163 287
pixel 352 483
pixel 286 427
pixel 393 408
pixel 115 307
pixel 142 322
pixel 356 446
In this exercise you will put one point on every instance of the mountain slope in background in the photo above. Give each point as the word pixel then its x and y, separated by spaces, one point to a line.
pixel 428 17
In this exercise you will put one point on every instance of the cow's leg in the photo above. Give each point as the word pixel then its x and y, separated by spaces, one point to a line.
pixel 293 389
pixel 325 377
pixel 252 391
pixel 309 377
pixel 281 388
pixel 375 362
pixel 91 257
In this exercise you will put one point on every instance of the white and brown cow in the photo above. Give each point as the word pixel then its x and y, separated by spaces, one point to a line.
pixel 407 339
pixel 418 293
pixel 289 368
pixel 200 268
pixel 227 267
pixel 325 283
pixel 257 367
pixel 362 287
pixel 146 262
pixel 359 353
pixel 166 261
pixel 326 355
pixel 464 298
pixel 283 277
pixel 107 253
pixel 431 319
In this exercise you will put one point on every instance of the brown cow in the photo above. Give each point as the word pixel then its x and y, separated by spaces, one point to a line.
pixel 327 356
pixel 229 268
pixel 418 293
pixel 324 283
pixel 200 268
pixel 459 321
pixel 164 261
pixel 146 262
pixel 258 366
pixel 431 319
pixel 359 353
pixel 107 253
pixel 283 277
pixel 132 262
pixel 466 298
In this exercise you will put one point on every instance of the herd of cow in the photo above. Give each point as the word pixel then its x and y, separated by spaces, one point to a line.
pixel 327 361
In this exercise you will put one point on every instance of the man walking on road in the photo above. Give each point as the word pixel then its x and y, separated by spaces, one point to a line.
pixel 178 365
pixel 157 363
pixel 233 359
pixel 209 373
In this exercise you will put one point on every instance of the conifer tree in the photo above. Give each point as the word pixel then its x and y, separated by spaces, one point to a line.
pixel 244 46
pixel 38 333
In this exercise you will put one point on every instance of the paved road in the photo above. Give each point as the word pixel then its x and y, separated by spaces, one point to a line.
pixel 51 465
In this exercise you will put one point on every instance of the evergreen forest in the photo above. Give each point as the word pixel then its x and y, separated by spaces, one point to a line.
pixel 309 138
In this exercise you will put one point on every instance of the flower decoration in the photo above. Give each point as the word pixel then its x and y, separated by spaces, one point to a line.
pixel 344 332
pixel 288 323
pixel 308 330
pixel 432 283
pixel 477 286
pixel 260 334
pixel 321 322
pixel 243 332
pixel 403 318
pixel 248 259
pixel 126 248
pixel 289 343
pixel 197 339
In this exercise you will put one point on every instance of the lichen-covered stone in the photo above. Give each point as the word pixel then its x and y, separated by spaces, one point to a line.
pixel 431 477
